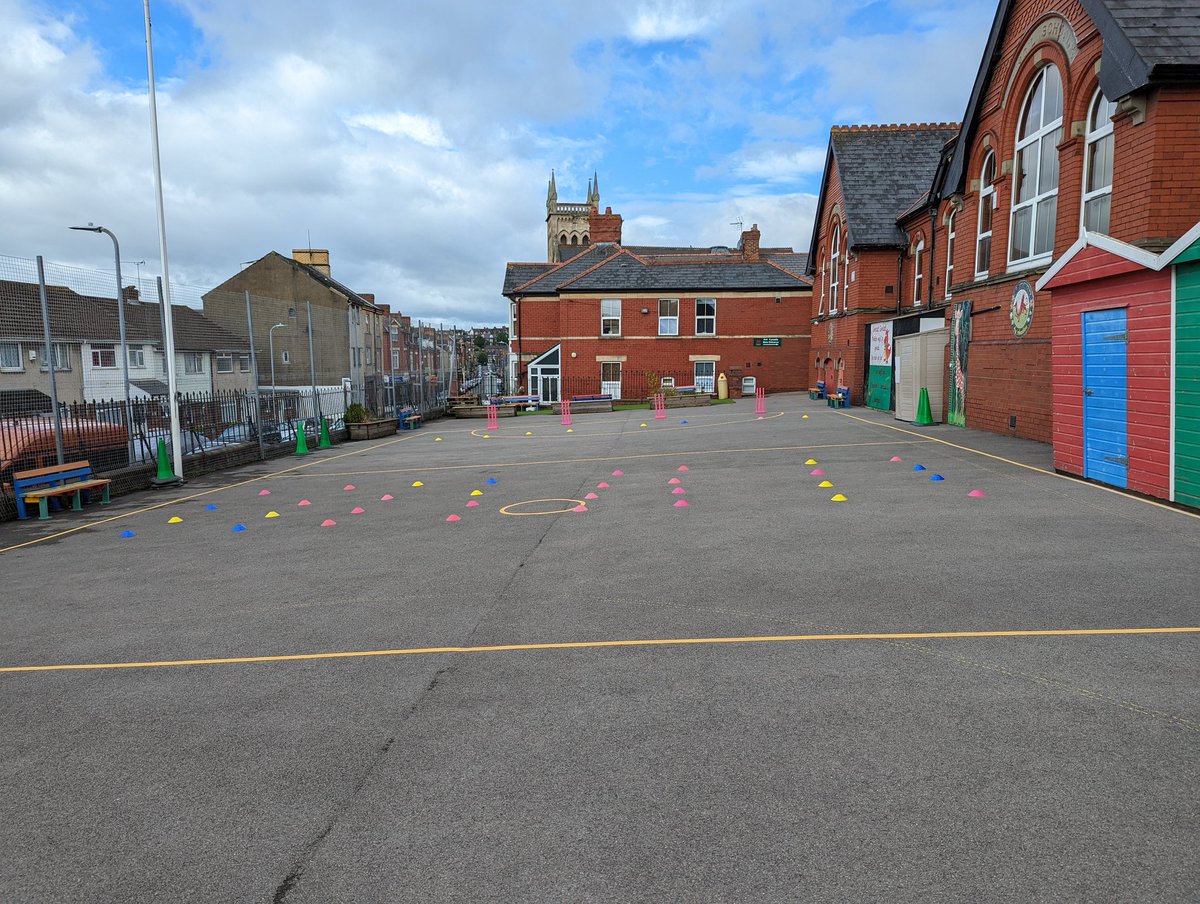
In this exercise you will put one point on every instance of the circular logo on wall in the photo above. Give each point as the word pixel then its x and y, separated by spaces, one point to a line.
pixel 1020 309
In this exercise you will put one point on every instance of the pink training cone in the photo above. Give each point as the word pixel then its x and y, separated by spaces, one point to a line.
pixel 591 496
pixel 303 502
pixel 602 485
pixel 816 472
pixel 357 510
pixel 682 468
pixel 328 522
pixel 580 508
pixel 673 481
pixel 678 491
pixel 348 487
pixel 977 494
pixel 618 474
pixel 454 518
pixel 264 492
pixel 388 498
pixel 895 458
pixel 472 504
pixel 682 503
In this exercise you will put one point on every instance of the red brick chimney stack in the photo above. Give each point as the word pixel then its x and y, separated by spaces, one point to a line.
pixel 749 243
pixel 604 227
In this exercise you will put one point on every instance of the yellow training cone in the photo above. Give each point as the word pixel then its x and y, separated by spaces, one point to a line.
pixel 529 433
pixel 570 429
pixel 418 483
pixel 804 417
pixel 838 498
pixel 476 492
pixel 825 483
pixel 271 515
pixel 643 425
pixel 176 520
pixel 437 439
pixel 811 461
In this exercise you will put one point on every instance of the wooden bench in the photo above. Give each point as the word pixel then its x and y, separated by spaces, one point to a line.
pixel 840 399
pixel 603 397
pixel 818 391
pixel 410 421
pixel 73 479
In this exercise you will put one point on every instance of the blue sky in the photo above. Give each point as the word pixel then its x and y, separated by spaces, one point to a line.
pixel 415 142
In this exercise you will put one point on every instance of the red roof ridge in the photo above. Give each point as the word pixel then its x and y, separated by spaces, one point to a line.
pixel 895 127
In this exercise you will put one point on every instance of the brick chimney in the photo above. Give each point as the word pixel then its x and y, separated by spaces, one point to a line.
pixel 604 227
pixel 317 258
pixel 749 243
pixel 131 294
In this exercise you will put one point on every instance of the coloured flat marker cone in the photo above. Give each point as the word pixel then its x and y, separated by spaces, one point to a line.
pixel 977 494
pixel 210 508
pixel 918 467
pixel 264 492
pixel 348 487
pixel 682 503
pixel 454 518
pixel 127 535
pixel 237 528
pixel 487 436
pixel 683 423
pixel 570 429
pixel 816 472
pixel 328 522
pixel 476 492
pixel 811 461
pixel 357 510
pixel 936 477
pixel 580 508
pixel 529 433
pixel 673 481
pixel 804 417
pixel 387 497
pixel 895 458
pixel 303 502
pixel 472 504
pixel 175 520
pixel 642 425
pixel 924 417
pixel 418 483
pixel 591 496
pixel 271 515
pixel 326 442
pixel 618 473
pixel 825 483
pixel 682 468
pixel 838 498
pixel 301 440
pixel 491 481
pixel 678 491
pixel 602 485
pixel 437 439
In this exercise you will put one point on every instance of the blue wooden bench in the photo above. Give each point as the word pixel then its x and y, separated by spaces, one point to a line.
pixel 409 419
pixel 74 479
pixel 818 391
pixel 840 399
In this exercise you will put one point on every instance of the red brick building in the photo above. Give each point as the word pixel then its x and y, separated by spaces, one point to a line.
pixel 627 320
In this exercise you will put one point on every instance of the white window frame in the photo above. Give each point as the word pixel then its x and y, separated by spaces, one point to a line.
pixel 918 271
pixel 284 357
pixel 987 202
pixel 824 282
pixel 950 235
pixel 668 324
pixel 835 250
pixel 18 351
pixel 137 356
pixel 395 359
pixel 222 361
pixel 244 363
pixel 193 363
pixel 1099 136
pixel 1042 203
pixel 706 324
pixel 100 353
pixel 610 317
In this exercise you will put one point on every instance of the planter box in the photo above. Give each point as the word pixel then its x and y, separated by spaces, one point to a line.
pixel 481 411
pixel 372 429
pixel 592 406
pixel 685 400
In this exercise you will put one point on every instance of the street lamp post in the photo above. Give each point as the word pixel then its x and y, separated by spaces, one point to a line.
pixel 271 349
pixel 120 327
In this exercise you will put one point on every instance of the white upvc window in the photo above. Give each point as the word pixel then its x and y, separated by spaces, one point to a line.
pixel 704 376
pixel 987 207
pixel 137 356
pixel 395 359
pixel 193 363
pixel 918 270
pixel 104 356
pixel 668 317
pixel 244 363
pixel 1035 182
pixel 824 284
pixel 1098 164
pixel 706 316
pixel 10 357
pixel 950 250
pixel 225 364
pixel 610 317
pixel 835 251
pixel 284 357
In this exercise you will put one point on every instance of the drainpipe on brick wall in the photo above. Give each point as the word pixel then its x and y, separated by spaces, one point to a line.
pixel 899 280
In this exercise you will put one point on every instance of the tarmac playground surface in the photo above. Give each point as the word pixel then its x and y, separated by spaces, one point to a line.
pixel 912 695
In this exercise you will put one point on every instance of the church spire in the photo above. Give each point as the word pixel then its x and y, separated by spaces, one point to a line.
pixel 552 192
pixel 594 191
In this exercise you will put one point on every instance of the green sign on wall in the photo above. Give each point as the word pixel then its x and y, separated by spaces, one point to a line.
pixel 774 342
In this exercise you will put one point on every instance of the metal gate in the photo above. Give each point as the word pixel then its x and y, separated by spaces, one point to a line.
pixel 1105 398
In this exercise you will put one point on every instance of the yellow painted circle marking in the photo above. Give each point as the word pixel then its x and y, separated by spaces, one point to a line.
pixel 507 510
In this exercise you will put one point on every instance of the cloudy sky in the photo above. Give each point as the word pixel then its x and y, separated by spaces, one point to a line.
pixel 415 140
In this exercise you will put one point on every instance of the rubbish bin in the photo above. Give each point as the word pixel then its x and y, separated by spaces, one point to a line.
pixel 722 387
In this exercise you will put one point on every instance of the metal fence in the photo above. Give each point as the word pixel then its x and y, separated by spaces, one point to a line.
pixel 624 384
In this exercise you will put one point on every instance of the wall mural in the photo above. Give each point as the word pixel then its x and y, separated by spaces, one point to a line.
pixel 960 339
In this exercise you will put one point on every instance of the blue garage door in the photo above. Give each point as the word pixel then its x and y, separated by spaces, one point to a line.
pixel 1105 434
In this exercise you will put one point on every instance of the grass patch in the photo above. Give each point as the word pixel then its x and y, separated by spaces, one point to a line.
pixel 721 402
pixel 633 406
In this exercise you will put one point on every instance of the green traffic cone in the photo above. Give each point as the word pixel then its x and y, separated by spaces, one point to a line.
pixel 301 440
pixel 326 442
pixel 924 417
pixel 166 475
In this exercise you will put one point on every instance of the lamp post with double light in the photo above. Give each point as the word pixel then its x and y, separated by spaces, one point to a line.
pixel 271 351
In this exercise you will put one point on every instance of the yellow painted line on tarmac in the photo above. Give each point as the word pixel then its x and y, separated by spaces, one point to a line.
pixel 600 644
pixel 1008 461
pixel 228 486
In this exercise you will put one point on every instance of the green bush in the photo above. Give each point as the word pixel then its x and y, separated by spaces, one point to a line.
pixel 357 414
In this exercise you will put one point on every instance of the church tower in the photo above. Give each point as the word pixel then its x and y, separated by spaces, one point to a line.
pixel 567 224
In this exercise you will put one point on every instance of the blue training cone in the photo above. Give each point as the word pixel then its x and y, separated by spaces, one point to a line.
pixel 918 467
pixel 937 477
pixel 127 534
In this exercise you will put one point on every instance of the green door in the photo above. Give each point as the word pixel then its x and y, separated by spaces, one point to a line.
pixel 1187 380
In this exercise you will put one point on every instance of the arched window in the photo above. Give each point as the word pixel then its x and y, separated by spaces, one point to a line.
pixel 918 270
pixel 1035 186
pixel 950 250
pixel 585 240
pixel 574 240
pixel 835 256
pixel 562 239
pixel 824 281
pixel 987 205
pixel 1098 168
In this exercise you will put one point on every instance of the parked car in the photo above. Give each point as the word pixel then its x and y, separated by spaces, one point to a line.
pixel 192 442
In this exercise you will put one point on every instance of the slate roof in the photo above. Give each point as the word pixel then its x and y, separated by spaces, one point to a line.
pixel 883 171
pixel 629 273
pixel 548 282
pixel 86 318
pixel 516 274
